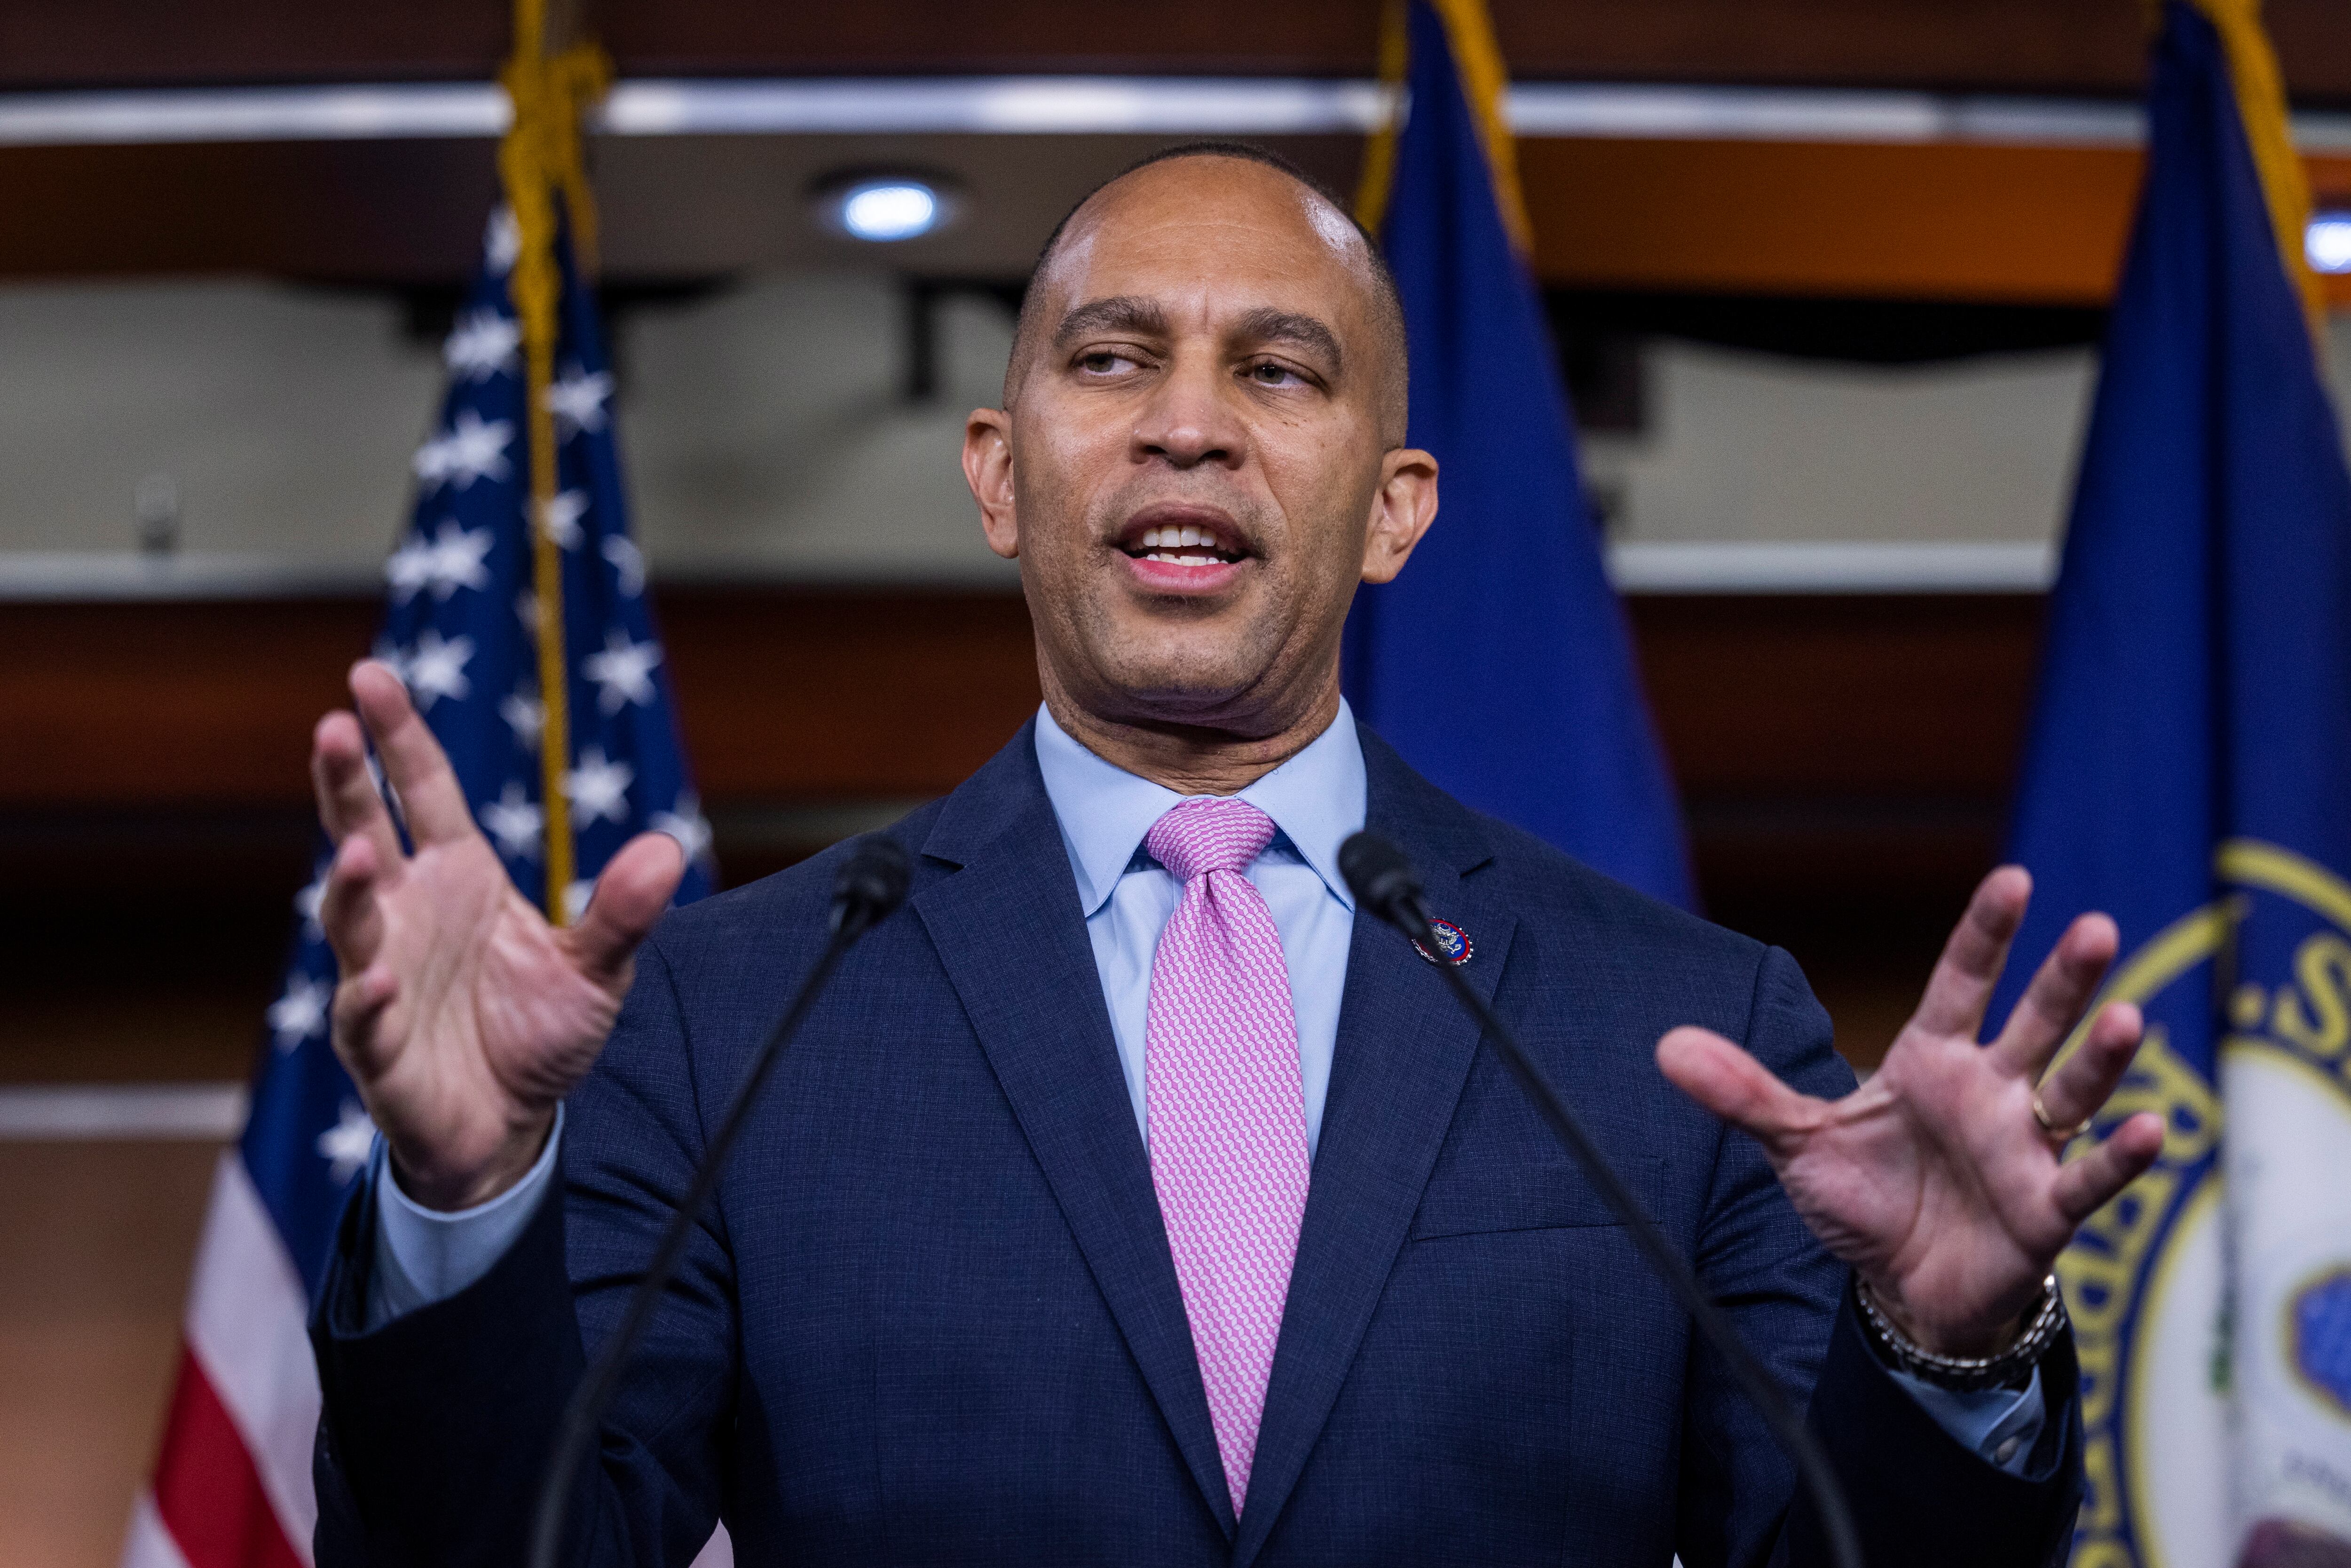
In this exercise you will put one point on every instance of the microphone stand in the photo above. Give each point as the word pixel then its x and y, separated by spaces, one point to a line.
pixel 871 884
pixel 1383 881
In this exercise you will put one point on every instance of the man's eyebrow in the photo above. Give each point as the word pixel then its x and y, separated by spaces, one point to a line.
pixel 1119 313
pixel 1268 325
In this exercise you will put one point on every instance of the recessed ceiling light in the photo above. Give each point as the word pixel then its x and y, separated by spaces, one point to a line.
pixel 2327 242
pixel 885 208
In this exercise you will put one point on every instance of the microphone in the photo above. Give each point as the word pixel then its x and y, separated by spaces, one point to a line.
pixel 871 884
pixel 1385 883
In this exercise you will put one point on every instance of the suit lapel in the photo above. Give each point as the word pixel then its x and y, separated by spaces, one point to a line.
pixel 1013 940
pixel 1403 1053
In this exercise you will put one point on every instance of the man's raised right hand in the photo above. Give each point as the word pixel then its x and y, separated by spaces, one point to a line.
pixel 463 1015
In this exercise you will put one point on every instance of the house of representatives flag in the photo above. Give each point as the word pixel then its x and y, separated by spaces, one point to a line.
pixel 1498 663
pixel 2190 772
pixel 231 1486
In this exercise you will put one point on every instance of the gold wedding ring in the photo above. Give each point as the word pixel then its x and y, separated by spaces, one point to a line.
pixel 2063 1134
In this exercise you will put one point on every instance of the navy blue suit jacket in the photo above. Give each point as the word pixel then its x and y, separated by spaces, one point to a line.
pixel 932 1316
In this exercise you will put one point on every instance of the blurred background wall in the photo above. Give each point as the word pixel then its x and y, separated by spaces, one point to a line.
pixel 1826 277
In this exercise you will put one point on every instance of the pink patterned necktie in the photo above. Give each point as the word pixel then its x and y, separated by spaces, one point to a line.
pixel 1227 1108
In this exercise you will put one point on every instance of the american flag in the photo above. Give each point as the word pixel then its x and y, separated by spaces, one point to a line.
pixel 231 1485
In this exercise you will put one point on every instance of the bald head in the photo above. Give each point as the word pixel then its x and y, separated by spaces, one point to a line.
pixel 1199 456
pixel 1213 190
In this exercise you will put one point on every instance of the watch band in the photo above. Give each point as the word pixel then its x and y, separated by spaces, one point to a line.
pixel 2011 1368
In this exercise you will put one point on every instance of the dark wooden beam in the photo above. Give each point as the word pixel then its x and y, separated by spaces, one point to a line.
pixel 2028 45
pixel 1843 764
pixel 1909 695
pixel 375 211
pixel 789 694
pixel 1832 726
pixel 1985 224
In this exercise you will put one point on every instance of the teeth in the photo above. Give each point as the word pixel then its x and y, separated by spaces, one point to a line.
pixel 1169 558
pixel 1180 538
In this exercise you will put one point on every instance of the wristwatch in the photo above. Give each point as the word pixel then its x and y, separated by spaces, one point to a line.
pixel 2011 1368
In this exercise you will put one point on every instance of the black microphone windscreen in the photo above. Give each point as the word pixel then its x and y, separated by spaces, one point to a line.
pixel 871 881
pixel 1378 874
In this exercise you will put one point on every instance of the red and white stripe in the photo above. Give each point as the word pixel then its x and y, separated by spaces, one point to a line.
pixel 231 1486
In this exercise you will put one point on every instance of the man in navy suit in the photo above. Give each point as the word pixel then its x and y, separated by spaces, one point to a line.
pixel 1131 1197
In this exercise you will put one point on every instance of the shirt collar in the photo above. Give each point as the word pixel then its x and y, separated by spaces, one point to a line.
pixel 1316 799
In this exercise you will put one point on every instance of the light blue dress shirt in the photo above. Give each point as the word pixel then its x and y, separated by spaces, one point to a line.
pixel 1316 799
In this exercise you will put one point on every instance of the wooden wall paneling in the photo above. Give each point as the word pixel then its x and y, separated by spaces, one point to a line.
pixel 55 44
pixel 1789 720
pixel 817 694
pixel 2090 46
pixel 2042 226
pixel 1939 221
pixel 801 694
pixel 1839 695
pixel 1844 762
pixel 154 804
pixel 1834 750
pixel 169 704
pixel 397 210
pixel 784 694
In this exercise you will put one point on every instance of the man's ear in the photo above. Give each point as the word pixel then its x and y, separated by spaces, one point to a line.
pixel 1401 511
pixel 987 469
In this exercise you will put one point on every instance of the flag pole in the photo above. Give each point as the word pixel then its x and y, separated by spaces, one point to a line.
pixel 540 157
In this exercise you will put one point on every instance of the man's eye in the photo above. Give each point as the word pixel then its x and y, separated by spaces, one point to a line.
pixel 1101 360
pixel 1268 374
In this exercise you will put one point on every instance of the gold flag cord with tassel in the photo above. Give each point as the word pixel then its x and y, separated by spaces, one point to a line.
pixel 539 162
pixel 1378 178
pixel 2262 110
pixel 1485 85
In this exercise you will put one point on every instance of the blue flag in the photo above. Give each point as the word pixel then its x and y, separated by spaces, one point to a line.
pixel 1500 662
pixel 2190 772
pixel 460 626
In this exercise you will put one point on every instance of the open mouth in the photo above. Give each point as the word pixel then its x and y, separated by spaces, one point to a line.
pixel 1196 543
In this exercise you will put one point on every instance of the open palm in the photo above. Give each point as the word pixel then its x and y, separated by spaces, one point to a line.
pixel 463 1015
pixel 1936 1180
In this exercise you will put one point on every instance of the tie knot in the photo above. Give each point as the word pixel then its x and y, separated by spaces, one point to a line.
pixel 1206 834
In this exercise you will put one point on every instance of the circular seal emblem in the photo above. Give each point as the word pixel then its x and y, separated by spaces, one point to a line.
pixel 2214 1368
pixel 1451 940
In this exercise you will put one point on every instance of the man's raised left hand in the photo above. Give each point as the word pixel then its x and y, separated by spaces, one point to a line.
pixel 1936 1180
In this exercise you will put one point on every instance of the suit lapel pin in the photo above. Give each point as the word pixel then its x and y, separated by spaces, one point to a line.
pixel 1451 940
